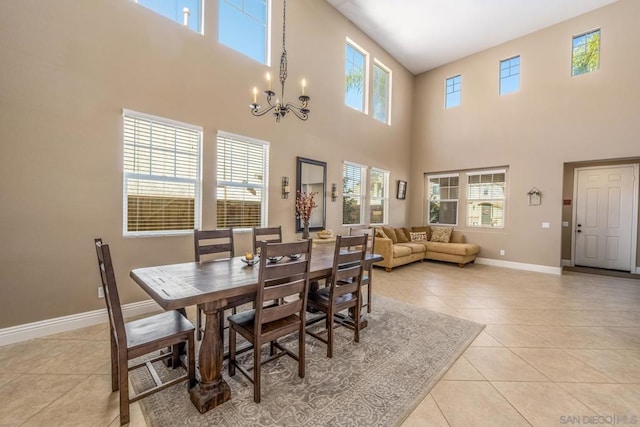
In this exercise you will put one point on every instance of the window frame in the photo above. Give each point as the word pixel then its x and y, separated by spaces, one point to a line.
pixel 267 31
pixel 429 195
pixel 586 34
pixel 509 68
pixel 264 203
pixel 385 197
pixel 135 115
pixel 378 64
pixel 504 198
pixel 363 192
pixel 200 21
pixel 365 87
pixel 447 93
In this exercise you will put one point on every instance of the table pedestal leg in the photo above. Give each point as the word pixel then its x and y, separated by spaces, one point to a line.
pixel 212 389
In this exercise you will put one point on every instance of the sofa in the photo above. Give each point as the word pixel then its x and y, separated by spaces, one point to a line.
pixel 401 246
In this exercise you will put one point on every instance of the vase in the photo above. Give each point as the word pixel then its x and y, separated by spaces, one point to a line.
pixel 305 231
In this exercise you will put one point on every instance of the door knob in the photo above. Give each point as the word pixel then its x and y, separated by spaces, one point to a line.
pixel 579 231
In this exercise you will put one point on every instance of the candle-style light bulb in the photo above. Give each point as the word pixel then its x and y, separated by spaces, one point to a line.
pixel 304 85
pixel 255 95
pixel 268 81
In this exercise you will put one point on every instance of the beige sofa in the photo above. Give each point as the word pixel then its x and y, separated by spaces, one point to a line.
pixel 400 252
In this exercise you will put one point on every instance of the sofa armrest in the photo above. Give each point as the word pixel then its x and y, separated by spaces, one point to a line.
pixel 383 246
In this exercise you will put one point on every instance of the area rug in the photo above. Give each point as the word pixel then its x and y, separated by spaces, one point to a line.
pixel 379 381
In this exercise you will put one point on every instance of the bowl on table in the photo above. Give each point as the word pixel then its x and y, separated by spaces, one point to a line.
pixel 274 259
pixel 324 234
pixel 250 259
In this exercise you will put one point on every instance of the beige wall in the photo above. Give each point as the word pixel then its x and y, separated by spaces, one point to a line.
pixel 69 68
pixel 554 119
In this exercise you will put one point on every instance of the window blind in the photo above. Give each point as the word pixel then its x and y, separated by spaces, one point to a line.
pixel 353 193
pixel 242 171
pixel 161 175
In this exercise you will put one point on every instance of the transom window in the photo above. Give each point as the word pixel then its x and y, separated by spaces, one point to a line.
pixel 161 175
pixel 356 82
pixel 353 192
pixel 243 26
pixel 381 92
pixel 442 196
pixel 486 198
pixel 242 171
pixel 453 87
pixel 379 196
pixel 585 56
pixel 510 75
pixel 185 12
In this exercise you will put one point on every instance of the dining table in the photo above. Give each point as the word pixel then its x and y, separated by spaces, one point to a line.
pixel 212 284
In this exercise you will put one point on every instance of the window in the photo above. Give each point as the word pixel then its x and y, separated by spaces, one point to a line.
pixel 442 205
pixel 381 92
pixel 243 26
pixel 242 171
pixel 161 175
pixel 585 56
pixel 379 193
pixel 186 12
pixel 353 194
pixel 486 198
pixel 355 77
pixel 510 75
pixel 452 92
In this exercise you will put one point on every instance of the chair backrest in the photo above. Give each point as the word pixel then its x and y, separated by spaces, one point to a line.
pixel 209 242
pixel 364 231
pixel 266 234
pixel 348 262
pixel 107 275
pixel 286 281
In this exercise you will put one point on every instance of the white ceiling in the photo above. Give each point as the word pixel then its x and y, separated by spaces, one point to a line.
pixel 424 34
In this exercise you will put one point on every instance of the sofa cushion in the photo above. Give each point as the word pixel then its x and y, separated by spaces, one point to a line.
pixel 423 229
pixel 441 234
pixel 416 248
pixel 390 233
pixel 401 236
pixel 401 250
pixel 380 233
pixel 463 249
pixel 419 236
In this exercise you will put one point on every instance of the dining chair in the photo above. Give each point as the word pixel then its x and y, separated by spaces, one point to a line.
pixel 214 244
pixel 342 293
pixel 286 281
pixel 266 234
pixel 141 337
pixel 368 273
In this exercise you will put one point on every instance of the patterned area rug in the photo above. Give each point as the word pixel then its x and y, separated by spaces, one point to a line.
pixel 378 382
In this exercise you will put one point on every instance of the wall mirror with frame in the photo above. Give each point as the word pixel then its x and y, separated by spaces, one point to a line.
pixel 311 176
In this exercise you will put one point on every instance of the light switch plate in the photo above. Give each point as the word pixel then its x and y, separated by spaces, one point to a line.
pixel 565 223
pixel 546 225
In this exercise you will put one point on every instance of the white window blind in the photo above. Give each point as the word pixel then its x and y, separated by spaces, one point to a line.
pixel 242 171
pixel 486 195
pixel 161 175
pixel 353 193
pixel 379 196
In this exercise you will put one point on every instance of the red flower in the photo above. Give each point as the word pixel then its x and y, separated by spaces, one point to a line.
pixel 305 204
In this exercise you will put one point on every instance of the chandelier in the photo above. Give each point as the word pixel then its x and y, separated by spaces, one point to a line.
pixel 281 108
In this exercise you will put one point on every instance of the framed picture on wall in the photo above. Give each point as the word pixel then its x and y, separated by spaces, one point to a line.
pixel 402 190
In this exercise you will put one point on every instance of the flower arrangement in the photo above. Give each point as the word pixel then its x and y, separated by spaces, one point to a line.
pixel 305 203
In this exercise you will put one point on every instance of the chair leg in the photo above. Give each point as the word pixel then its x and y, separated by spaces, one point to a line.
pixel 232 351
pixel 175 358
pixel 330 333
pixel 301 362
pixel 114 366
pixel 191 360
pixel 369 289
pixel 123 374
pixel 356 321
pixel 256 372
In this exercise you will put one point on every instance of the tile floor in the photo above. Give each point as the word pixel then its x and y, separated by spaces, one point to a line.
pixel 556 349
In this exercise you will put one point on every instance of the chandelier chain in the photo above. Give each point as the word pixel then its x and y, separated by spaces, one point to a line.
pixel 283 58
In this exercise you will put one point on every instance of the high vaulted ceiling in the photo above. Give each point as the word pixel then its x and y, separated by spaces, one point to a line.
pixel 424 34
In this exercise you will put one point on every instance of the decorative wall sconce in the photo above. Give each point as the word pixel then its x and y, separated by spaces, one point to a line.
pixel 334 192
pixel 535 196
pixel 285 187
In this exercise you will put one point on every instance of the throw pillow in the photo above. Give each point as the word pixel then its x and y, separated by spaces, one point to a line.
pixel 425 228
pixel 421 235
pixel 390 232
pixel 380 233
pixel 402 238
pixel 441 234
pixel 407 232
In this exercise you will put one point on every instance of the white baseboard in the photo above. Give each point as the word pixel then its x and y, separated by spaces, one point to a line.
pixel 520 266
pixel 43 328
pixel 566 263
pixel 637 270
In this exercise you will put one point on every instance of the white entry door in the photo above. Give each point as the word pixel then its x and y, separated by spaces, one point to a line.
pixel 604 217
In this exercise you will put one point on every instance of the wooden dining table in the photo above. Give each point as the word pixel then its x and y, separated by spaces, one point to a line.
pixel 213 284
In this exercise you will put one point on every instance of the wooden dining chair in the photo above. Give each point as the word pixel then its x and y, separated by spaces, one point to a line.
pixel 266 234
pixel 214 244
pixel 141 337
pixel 368 273
pixel 286 281
pixel 342 293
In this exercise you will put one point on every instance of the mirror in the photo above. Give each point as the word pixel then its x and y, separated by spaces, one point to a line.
pixel 311 176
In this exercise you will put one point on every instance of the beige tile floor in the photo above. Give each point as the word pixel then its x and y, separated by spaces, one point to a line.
pixel 555 348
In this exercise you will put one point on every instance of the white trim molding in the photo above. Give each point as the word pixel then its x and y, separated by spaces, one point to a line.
pixel 566 263
pixel 56 325
pixel 521 266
